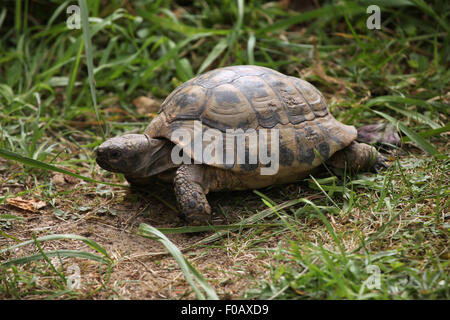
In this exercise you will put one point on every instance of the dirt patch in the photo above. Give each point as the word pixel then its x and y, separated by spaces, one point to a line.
pixel 111 216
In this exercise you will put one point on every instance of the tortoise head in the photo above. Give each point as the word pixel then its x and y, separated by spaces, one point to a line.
pixel 127 154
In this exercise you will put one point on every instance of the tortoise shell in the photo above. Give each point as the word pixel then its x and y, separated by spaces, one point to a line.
pixel 253 97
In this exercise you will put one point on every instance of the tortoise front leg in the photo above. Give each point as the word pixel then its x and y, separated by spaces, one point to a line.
pixel 191 193
pixel 358 157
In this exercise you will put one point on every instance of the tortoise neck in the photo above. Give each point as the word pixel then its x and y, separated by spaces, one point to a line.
pixel 157 159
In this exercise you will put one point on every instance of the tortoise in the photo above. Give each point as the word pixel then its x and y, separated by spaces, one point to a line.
pixel 231 104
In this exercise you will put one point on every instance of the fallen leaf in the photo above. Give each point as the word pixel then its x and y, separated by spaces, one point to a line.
pixel 58 179
pixel 179 12
pixel 445 99
pixel 419 90
pixel 300 292
pixel 412 80
pixel 349 36
pixel 115 110
pixel 145 105
pixel 32 205
pixel 70 179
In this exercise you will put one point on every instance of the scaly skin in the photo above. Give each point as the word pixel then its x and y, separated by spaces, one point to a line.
pixel 191 193
pixel 358 157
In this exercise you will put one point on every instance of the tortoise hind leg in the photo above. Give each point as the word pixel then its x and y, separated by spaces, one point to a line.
pixel 382 133
pixel 191 195
pixel 358 157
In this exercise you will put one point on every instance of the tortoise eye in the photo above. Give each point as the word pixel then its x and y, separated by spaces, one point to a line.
pixel 115 154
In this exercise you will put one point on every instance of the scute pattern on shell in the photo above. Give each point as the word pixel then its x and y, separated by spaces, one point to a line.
pixel 245 97
pixel 252 97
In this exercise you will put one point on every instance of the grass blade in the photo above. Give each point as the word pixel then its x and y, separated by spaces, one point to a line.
pixel 405 100
pixel 6 217
pixel 178 27
pixel 250 220
pixel 330 11
pixel 58 253
pixel 215 228
pixel 216 51
pixel 251 49
pixel 87 241
pixel 431 132
pixel 416 138
pixel 89 60
pixel 149 72
pixel 45 166
pixel 189 271
pixel 429 11
pixel 73 74
pixel 416 116
pixel 18 17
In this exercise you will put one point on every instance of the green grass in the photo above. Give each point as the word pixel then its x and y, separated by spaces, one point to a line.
pixel 319 243
pixel 308 269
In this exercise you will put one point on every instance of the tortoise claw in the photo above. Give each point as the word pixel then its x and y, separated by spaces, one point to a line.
pixel 218 218
pixel 201 220
pixel 380 163
pixel 198 220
